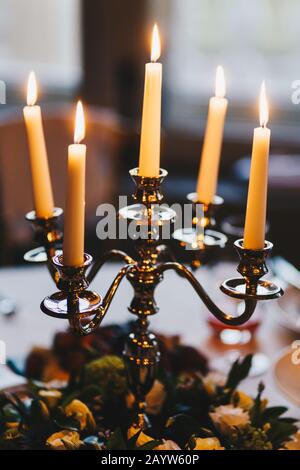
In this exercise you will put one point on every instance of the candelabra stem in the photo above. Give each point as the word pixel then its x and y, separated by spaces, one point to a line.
pixel 141 356
pixel 73 303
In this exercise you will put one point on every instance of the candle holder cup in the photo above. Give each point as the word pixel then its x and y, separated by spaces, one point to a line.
pixel 73 301
pixel 141 351
pixel 209 209
pixel 200 240
pixel 48 236
pixel 252 267
pixel 148 187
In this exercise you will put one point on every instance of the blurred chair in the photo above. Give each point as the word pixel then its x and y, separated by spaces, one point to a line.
pixel 103 139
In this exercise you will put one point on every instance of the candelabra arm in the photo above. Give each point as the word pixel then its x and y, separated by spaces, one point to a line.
pixel 225 318
pixel 114 286
pixel 75 320
pixel 108 256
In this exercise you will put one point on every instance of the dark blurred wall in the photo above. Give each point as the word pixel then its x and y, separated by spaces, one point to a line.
pixel 114 51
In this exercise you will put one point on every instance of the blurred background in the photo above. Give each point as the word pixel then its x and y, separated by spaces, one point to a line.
pixel 96 50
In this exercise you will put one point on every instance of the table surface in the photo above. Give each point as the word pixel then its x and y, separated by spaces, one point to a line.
pixel 181 312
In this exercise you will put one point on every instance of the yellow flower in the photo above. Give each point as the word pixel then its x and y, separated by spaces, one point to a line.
pixel 11 434
pixel 142 439
pixel 155 398
pixel 207 443
pixel 212 380
pixel 129 400
pixel 81 412
pixel 267 427
pixel 264 404
pixel 52 372
pixel 226 417
pixel 167 445
pixel 244 401
pixel 64 440
pixel 12 425
pixel 50 397
pixel 294 444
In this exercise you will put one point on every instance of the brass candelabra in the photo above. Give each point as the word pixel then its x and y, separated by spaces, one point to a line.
pixel 201 240
pixel 85 309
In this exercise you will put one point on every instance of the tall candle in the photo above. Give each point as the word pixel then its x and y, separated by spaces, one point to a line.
pixel 254 233
pixel 41 182
pixel 149 161
pixel 211 151
pixel 73 247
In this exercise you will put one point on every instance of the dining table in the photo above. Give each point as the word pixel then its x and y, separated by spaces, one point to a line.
pixel 180 313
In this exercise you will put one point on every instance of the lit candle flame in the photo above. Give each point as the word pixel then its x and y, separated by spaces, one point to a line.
pixel 31 89
pixel 220 89
pixel 79 132
pixel 263 106
pixel 155 48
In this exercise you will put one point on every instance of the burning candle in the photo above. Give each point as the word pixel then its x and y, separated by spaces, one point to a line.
pixel 73 248
pixel 149 161
pixel 211 151
pixel 41 182
pixel 254 233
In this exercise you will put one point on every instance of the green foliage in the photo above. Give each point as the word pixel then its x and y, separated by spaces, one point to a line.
pixel 239 371
pixel 116 441
pixel 28 423
pixel 250 438
pixel 202 433
pixel 181 427
pixel 280 432
pixel 66 422
pixel 108 373
pixel 280 429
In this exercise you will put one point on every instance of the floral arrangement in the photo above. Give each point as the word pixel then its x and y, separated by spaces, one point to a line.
pixel 87 404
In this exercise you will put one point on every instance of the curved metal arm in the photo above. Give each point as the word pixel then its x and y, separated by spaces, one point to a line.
pixel 108 256
pixel 212 307
pixel 86 329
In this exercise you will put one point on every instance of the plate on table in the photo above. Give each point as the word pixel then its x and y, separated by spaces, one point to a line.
pixel 287 373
